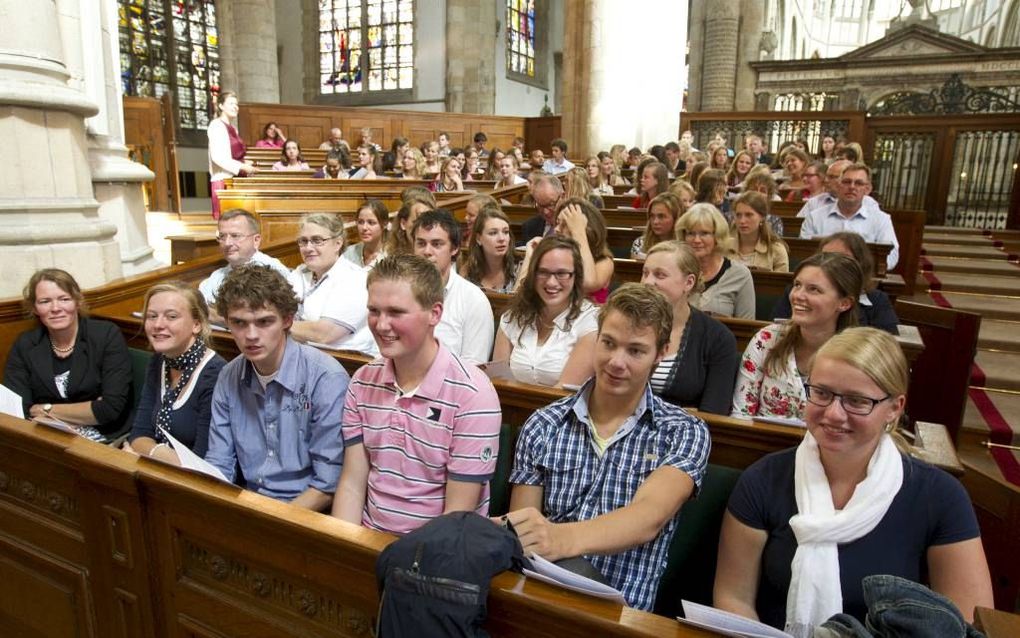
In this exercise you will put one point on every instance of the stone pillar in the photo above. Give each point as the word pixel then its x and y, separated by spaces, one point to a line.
pixel 752 24
pixel 611 94
pixel 695 36
pixel 117 180
pixel 48 215
pixel 471 32
pixel 719 62
pixel 248 49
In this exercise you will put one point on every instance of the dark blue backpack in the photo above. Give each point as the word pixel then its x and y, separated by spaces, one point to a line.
pixel 435 580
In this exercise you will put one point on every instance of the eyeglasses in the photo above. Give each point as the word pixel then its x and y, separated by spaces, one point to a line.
pixel 234 237
pixel 314 241
pixel 560 275
pixel 852 403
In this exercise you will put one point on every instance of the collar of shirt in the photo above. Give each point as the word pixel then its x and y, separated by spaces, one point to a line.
pixel 861 212
pixel 287 375
pixel 432 384
pixel 306 274
pixel 580 409
pixel 864 300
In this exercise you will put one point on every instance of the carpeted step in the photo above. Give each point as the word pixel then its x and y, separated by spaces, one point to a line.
pixel 963 252
pixel 997 334
pixel 957 240
pixel 975 283
pixel 977 266
pixel 955 230
pixel 986 305
pixel 991 415
pixel 996 370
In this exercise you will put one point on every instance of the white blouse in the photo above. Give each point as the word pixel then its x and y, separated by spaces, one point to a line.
pixel 543 364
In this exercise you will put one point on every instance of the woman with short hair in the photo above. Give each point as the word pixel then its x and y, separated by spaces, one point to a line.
pixel 729 288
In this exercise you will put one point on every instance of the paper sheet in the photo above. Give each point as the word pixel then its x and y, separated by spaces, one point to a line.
pixel 190 460
pixel 54 422
pixel 497 370
pixel 10 403
pixel 554 575
pixel 727 623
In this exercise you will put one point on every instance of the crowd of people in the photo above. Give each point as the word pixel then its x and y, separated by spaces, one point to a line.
pixel 415 433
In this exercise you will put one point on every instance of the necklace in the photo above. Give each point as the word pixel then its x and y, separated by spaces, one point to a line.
pixel 59 350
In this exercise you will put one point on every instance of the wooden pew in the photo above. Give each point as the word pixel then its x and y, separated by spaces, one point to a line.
pixel 299 182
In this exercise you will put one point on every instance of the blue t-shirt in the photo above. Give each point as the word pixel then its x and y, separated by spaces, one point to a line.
pixel 931 508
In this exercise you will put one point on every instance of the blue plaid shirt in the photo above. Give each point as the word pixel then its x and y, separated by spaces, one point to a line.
pixel 556 451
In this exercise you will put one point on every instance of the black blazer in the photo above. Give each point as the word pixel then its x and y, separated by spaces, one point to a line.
pixel 100 371
pixel 532 227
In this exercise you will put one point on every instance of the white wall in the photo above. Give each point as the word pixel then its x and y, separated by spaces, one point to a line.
pixel 519 98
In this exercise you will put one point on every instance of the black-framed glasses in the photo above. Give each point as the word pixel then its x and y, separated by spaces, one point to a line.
pixel 560 275
pixel 852 403
pixel 314 241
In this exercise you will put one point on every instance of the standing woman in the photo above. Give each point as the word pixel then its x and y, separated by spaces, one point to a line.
pixel 290 158
pixel 372 222
pixel 729 288
pixel 805 526
pixel 548 333
pixel 778 359
pixel 508 176
pixel 752 240
pixel 653 180
pixel 69 367
pixel 490 257
pixel 663 212
pixel 413 164
pixel 177 395
pixel 741 166
pixel 226 149
pixel 449 178
pixel 701 360
pixel 272 137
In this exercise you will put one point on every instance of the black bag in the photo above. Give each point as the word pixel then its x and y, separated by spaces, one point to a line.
pixel 435 580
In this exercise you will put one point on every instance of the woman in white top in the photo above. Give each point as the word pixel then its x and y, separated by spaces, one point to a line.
pixel 548 332
pixel 332 291
pixel 372 221
pixel 226 149
pixel 290 158
pixel 449 179
pixel 508 176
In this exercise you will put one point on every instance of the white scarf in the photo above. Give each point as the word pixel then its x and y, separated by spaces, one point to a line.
pixel 815 594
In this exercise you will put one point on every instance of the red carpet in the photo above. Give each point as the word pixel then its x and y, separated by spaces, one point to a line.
pixel 999 432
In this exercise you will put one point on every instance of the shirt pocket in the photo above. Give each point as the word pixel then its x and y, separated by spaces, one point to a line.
pixel 567 483
pixel 630 471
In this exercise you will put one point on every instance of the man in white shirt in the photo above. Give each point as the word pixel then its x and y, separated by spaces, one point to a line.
pixel 848 213
pixel 558 163
pixel 239 236
pixel 335 141
pixel 832 176
pixel 467 326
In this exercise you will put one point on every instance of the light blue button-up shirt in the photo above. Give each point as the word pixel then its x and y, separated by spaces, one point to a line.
pixel 285 437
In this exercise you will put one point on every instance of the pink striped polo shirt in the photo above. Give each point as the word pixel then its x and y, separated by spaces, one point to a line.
pixel 448 429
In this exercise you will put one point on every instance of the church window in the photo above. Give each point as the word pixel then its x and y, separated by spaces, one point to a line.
pixel 849 9
pixel 520 37
pixel 171 45
pixel 365 46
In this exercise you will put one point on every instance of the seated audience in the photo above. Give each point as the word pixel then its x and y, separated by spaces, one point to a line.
pixel 443 143
pixel 663 213
pixel 850 213
pixel 558 163
pixel 752 240
pixel 609 175
pixel 652 181
pixel 290 158
pixel 366 140
pixel 577 219
pixel 335 141
pixel 466 327
pixel 684 192
pixel 336 166
pixel 814 179
pixel 873 306
pixel 756 147
pixel 547 334
pixel 618 153
pixel 760 181
pixel 331 291
pixel 851 151
pixel 372 221
pixel 771 377
pixel 805 526
pixel 398 146
pixel 576 185
pixel 471 210
pixel 694 171
pixel 366 163
pixel 711 189
pixel 634 158
pixel 719 158
pixel 272 137
pixel 739 169
pixel 431 151
pixel 536 159
pixel 470 166
pixel 479 144
pixel 508 175
pixel 179 382
pixel 593 173
pixel 398 472
pixel 675 163
pixel 449 178
pixel 547 193
pixel 827 149
pixel 276 408
pixel 601 475
pixel 794 188
pixel 492 167
pixel 239 236
pixel 489 261
pixel 700 363
pixel 69 367
pixel 413 164
pixel 728 286
pixel 400 241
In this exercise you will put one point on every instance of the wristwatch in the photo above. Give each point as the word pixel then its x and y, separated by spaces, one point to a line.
pixel 46 407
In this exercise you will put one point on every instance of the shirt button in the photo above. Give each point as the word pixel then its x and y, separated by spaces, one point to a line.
pixel 271 454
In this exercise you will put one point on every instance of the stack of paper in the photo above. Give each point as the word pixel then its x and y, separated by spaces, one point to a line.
pixel 10 403
pixel 191 461
pixel 726 623
pixel 550 573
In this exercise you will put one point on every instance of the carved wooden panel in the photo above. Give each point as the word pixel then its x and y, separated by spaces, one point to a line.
pixel 128 614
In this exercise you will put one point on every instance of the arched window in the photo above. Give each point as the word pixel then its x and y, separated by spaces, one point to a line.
pixel 169 45
pixel 520 37
pixel 365 46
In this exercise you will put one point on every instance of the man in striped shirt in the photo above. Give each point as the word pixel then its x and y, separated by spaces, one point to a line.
pixel 420 427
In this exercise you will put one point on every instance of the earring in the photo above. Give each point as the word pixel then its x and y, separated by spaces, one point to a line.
pixel 890 427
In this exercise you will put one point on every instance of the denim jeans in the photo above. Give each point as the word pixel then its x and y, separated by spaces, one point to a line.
pixel 900 608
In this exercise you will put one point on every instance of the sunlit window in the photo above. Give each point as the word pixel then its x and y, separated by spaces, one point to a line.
pixel 520 37
pixel 365 45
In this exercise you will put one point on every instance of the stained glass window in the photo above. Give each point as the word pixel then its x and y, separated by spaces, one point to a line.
pixel 520 37
pixel 171 44
pixel 365 45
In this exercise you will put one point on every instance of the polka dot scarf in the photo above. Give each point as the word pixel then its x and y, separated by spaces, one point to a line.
pixel 186 363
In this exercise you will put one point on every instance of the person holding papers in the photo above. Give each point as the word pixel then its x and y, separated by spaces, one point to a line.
pixel 601 475
pixel 69 368
pixel 804 526
pixel 179 382
pixel 770 378
pixel 420 426
pixel 276 408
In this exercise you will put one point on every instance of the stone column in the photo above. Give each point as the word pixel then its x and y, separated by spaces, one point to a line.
pixel 116 179
pixel 248 63
pixel 48 215
pixel 696 38
pixel 719 59
pixel 471 32
pixel 752 24
pixel 612 94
